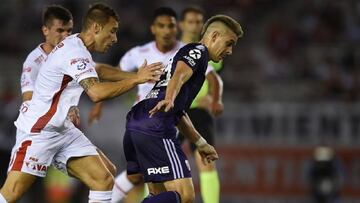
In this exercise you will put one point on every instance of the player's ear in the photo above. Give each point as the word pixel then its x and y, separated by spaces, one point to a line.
pixel 97 27
pixel 45 30
pixel 152 29
pixel 214 35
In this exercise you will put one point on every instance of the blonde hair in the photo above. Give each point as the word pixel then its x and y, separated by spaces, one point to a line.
pixel 229 22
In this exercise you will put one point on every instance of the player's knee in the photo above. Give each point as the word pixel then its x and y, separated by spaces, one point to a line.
pixel 104 181
pixel 136 179
pixel 187 195
pixel 12 193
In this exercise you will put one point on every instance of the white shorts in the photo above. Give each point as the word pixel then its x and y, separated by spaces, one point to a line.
pixel 33 154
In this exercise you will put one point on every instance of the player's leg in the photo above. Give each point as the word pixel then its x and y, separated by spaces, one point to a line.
pixel 109 165
pixel 208 175
pixel 131 186
pixel 30 158
pixel 126 180
pixel 177 191
pixel 79 158
pixel 16 184
pixel 163 161
pixel 92 172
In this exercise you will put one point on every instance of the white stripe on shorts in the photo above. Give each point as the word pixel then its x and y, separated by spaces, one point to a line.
pixel 177 158
pixel 169 156
pixel 177 167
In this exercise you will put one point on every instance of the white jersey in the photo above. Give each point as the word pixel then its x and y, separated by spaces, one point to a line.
pixel 135 57
pixel 56 87
pixel 31 68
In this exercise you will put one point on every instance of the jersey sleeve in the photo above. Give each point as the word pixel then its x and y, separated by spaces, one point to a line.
pixel 28 77
pixel 79 65
pixel 192 55
pixel 128 61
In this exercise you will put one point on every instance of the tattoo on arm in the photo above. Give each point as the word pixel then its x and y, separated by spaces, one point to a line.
pixel 88 82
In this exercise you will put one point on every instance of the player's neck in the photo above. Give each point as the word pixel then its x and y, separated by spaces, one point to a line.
pixel 164 49
pixel 47 47
pixel 88 40
pixel 189 38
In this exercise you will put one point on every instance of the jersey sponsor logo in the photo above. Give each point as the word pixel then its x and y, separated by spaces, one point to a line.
pixel 27 69
pixel 75 60
pixel 158 170
pixel 190 60
pixel 195 53
pixel 24 82
pixel 80 63
pixel 36 166
pixel 152 94
pixel 87 71
pixel 39 60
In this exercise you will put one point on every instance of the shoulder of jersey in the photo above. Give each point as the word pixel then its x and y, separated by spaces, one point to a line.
pixel 195 50
pixel 145 47
pixel 71 44
pixel 36 55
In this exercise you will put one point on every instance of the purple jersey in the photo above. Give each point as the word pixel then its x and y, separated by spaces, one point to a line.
pixel 162 124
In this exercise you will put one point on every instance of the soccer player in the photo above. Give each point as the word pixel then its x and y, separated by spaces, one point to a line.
pixel 57 24
pixel 164 45
pixel 150 143
pixel 207 103
pixel 44 134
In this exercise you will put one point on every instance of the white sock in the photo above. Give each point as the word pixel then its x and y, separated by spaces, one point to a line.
pixel 100 196
pixel 2 199
pixel 121 187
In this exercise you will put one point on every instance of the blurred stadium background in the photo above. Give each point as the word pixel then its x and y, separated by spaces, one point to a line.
pixel 292 85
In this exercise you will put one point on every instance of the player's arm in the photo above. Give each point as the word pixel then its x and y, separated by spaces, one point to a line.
pixel 182 74
pixel 105 90
pixel 207 152
pixel 27 81
pixel 216 90
pixel 110 73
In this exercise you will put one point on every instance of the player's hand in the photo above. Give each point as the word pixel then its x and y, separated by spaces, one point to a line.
pixel 95 113
pixel 217 108
pixel 207 153
pixel 163 105
pixel 74 116
pixel 149 73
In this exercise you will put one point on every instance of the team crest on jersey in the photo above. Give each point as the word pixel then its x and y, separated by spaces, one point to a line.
pixel 81 65
pixel 195 53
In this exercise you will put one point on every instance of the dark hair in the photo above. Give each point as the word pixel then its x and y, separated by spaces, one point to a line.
pixel 226 20
pixel 55 12
pixel 99 13
pixel 191 9
pixel 163 11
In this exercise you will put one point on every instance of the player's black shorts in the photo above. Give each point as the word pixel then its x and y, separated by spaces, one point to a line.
pixel 204 123
pixel 157 158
